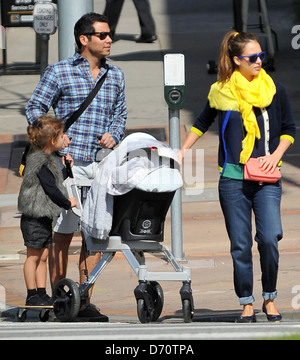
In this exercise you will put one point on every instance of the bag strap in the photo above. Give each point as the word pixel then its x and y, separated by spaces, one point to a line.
pixel 86 102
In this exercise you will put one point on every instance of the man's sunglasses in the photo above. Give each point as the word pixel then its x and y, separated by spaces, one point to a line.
pixel 253 58
pixel 100 35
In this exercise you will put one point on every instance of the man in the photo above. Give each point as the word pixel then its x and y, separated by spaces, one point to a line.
pixel 113 10
pixel 64 86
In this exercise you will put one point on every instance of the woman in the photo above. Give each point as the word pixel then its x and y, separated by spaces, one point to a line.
pixel 255 120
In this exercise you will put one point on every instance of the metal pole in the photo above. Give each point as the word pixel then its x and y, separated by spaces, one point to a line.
pixel 44 52
pixel 38 41
pixel 245 7
pixel 176 207
pixel 69 11
pixel 238 17
pixel 267 27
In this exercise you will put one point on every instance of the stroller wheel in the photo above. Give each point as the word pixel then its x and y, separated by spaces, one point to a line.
pixel 149 302
pixel 158 299
pixel 145 316
pixel 67 300
pixel 187 311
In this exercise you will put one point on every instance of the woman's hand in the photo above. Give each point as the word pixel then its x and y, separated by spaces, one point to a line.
pixel 180 157
pixel 270 162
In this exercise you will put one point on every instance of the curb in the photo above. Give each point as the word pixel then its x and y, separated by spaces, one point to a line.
pixel 216 317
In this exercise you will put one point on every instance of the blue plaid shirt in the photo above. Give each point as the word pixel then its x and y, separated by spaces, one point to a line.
pixel 64 86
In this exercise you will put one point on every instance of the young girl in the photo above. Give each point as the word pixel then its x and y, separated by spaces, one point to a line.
pixel 41 197
pixel 255 120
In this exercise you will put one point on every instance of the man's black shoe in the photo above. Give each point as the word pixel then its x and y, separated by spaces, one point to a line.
pixel 91 314
pixel 146 39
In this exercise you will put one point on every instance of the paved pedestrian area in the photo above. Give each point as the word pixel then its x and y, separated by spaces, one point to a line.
pixel 195 29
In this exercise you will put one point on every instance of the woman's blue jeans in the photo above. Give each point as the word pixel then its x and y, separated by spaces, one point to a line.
pixel 238 198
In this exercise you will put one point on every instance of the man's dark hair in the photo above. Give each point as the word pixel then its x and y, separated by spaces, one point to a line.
pixel 85 25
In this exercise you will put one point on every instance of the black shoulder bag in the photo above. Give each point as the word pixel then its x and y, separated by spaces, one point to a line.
pixel 71 119
pixel 86 103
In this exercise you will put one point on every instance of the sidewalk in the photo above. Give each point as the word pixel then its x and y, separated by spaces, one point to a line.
pixel 195 30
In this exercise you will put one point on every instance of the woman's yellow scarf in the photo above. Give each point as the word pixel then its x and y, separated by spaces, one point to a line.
pixel 258 93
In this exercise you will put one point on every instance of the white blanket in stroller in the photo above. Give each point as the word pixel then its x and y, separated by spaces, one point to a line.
pixel 120 172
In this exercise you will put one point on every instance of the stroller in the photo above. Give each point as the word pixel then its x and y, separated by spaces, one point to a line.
pixel 125 211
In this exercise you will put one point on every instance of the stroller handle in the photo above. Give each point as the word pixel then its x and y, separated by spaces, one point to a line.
pixel 69 169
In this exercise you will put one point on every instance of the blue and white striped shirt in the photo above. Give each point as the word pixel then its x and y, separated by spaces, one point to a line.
pixel 64 86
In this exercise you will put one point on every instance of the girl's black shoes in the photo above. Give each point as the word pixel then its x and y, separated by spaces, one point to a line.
pixel 35 300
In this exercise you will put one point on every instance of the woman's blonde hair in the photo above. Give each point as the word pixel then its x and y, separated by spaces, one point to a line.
pixel 41 131
pixel 232 45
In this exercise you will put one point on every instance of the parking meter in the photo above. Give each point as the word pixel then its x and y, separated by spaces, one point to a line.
pixel 174 90
pixel 174 80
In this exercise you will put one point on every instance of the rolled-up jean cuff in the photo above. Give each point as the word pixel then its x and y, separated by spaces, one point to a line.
pixel 247 300
pixel 269 296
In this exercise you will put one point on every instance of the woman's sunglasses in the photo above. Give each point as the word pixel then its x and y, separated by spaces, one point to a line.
pixel 100 35
pixel 253 58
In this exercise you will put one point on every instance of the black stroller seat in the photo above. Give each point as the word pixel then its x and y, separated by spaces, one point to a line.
pixel 140 215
